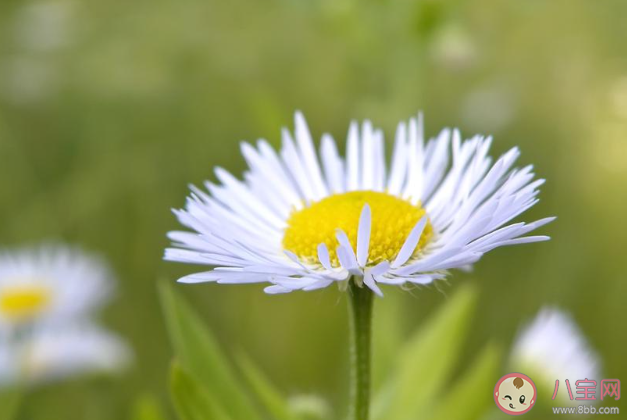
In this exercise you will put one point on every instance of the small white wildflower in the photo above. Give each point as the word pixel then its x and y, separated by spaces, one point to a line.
pixel 302 220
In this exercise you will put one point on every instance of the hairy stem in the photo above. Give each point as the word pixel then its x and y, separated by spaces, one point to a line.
pixel 360 307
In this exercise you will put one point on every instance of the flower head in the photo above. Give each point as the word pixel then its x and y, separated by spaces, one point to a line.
pixel 49 284
pixel 48 296
pixel 302 220
pixel 552 348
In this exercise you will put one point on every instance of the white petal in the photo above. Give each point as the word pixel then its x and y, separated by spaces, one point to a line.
pixel 422 279
pixel 320 284
pixel 372 285
pixel 399 161
pixel 345 243
pixel 367 156
pixel 363 235
pixel 323 256
pixel 379 162
pixel 353 181
pixel 276 289
pixel 333 165
pixel 346 255
pixel 296 167
pixel 308 155
pixel 380 268
pixel 410 243
pixel 415 177
pixel 391 280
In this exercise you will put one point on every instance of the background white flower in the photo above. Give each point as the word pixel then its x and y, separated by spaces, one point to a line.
pixel 50 283
pixel 301 221
pixel 48 299
pixel 52 353
pixel 553 347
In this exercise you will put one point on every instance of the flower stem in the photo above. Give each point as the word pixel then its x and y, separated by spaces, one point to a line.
pixel 361 302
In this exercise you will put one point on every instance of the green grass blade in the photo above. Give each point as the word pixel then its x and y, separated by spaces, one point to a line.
pixel 426 361
pixel 468 397
pixel 191 400
pixel 198 352
pixel 270 398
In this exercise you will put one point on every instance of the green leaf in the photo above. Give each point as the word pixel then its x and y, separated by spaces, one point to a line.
pixel 467 398
pixel 9 403
pixel 191 400
pixel 198 352
pixel 426 361
pixel 267 394
pixel 147 407
pixel 389 337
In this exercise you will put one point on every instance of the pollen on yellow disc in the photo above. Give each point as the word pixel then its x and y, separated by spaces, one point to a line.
pixel 392 220
pixel 23 301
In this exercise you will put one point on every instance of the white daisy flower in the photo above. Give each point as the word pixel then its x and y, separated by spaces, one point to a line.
pixel 48 295
pixel 300 220
pixel 53 353
pixel 49 284
pixel 553 348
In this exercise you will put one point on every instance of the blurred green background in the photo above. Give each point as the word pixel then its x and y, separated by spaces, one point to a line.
pixel 109 109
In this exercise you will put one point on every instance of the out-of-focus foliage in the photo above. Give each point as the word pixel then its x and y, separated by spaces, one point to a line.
pixel 147 407
pixel 193 401
pixel 424 366
pixel 199 355
pixel 269 397
pixel 9 401
pixel 426 362
pixel 109 109
pixel 203 384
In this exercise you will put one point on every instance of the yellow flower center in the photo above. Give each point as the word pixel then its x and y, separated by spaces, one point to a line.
pixel 23 302
pixel 392 221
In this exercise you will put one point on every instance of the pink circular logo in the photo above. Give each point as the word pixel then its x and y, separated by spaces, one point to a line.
pixel 515 394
